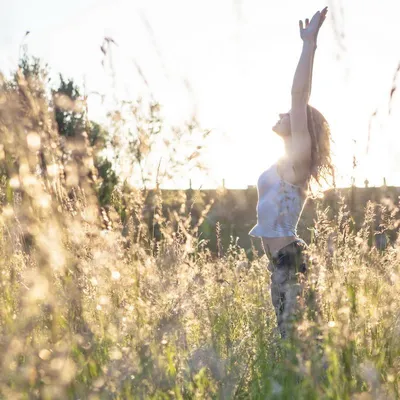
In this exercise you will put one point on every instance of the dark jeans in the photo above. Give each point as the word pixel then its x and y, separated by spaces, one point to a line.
pixel 289 268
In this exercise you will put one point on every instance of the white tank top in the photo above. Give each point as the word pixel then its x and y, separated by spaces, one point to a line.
pixel 279 205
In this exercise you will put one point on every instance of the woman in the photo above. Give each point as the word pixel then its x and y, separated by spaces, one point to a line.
pixel 283 188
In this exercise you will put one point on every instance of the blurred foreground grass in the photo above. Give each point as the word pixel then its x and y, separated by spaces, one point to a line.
pixel 93 307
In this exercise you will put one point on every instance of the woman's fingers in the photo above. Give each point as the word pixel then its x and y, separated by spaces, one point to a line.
pixel 322 19
pixel 323 14
pixel 316 16
pixel 316 21
pixel 319 15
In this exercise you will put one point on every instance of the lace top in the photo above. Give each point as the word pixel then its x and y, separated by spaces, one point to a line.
pixel 279 205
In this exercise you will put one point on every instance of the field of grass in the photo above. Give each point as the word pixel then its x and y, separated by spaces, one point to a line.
pixel 92 307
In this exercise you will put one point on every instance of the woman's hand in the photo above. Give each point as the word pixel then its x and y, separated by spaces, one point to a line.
pixel 309 33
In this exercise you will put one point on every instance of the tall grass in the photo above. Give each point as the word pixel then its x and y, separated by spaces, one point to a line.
pixel 93 307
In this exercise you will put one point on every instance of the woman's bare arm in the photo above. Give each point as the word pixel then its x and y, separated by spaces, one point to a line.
pixel 301 88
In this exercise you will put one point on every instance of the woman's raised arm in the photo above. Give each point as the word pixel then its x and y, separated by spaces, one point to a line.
pixel 301 88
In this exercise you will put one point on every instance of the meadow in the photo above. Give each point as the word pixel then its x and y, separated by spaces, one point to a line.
pixel 95 305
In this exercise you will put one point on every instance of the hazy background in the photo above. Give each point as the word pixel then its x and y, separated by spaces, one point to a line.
pixel 232 63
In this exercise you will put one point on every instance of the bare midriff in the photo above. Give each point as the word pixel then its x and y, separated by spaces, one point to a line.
pixel 274 244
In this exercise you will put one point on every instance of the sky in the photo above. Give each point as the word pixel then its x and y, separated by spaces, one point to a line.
pixel 238 58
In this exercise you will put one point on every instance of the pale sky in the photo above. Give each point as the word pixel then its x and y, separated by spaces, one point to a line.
pixel 239 57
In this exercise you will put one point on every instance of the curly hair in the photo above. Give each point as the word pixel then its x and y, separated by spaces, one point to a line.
pixel 321 162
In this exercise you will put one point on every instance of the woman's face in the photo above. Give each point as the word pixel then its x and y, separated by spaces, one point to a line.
pixel 282 127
